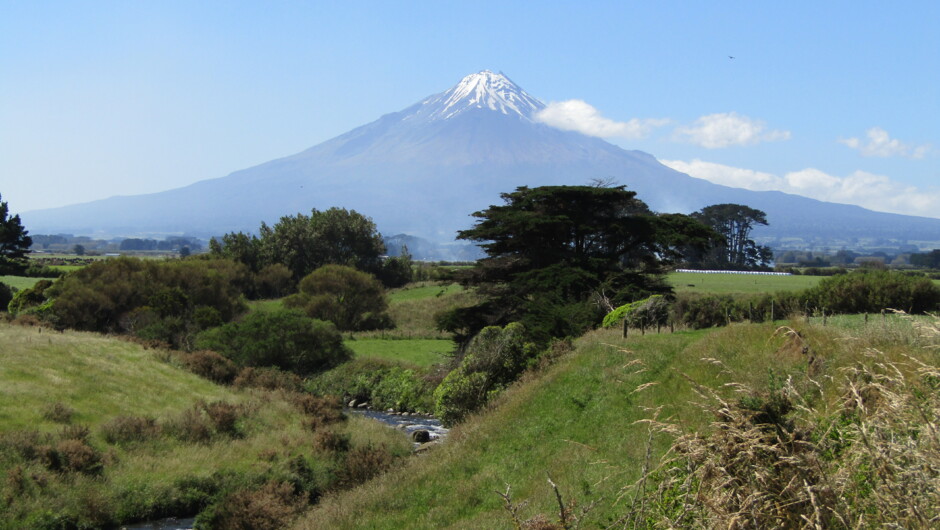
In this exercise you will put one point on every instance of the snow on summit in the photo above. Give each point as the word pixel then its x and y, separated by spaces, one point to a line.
pixel 483 90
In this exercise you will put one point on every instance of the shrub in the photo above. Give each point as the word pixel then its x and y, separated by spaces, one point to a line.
pixel 28 298
pixel 331 441
pixel 6 295
pixel 210 365
pixel 649 312
pixel 74 456
pixel 190 426
pixel 362 464
pixel 353 300
pixel 494 358
pixel 224 417
pixel 129 429
pixel 274 281
pixel 384 384
pixel 269 379
pixel 871 290
pixel 274 506
pixel 58 412
pixel 105 295
pixel 283 339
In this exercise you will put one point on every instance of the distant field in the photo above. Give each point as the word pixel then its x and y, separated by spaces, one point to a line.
pixel 422 290
pixel 21 282
pixel 685 282
pixel 421 352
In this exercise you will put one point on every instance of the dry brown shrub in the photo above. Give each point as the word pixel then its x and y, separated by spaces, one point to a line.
pixel 130 429
pixel 268 378
pixel 273 507
pixel 190 426
pixel 75 432
pixel 331 441
pixel 224 416
pixel 362 464
pixel 58 412
pixel 74 456
pixel 319 411
pixel 27 321
pixel 210 365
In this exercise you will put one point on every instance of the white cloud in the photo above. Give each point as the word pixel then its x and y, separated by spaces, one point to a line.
pixel 876 192
pixel 577 115
pixel 726 129
pixel 881 144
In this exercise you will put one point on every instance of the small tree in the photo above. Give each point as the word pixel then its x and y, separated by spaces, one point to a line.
pixel 79 250
pixel 353 300
pixel 14 241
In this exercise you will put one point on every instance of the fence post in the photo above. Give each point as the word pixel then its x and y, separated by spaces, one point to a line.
pixel 771 310
pixel 625 328
pixel 824 316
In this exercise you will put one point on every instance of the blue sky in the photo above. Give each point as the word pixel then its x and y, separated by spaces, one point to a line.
pixel 834 100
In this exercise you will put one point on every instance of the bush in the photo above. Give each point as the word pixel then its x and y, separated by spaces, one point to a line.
pixel 353 300
pixel 362 464
pixel 129 429
pixel 6 295
pixel 494 358
pixel 283 339
pixel 210 365
pixel 269 379
pixel 165 300
pixel 649 312
pixel 58 412
pixel 383 384
pixel 28 298
pixel 871 290
pixel 74 456
pixel 274 506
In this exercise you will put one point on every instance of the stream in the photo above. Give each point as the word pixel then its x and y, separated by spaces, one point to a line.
pixel 408 424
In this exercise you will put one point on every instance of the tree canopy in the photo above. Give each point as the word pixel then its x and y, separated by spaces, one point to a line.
pixel 14 241
pixel 734 223
pixel 304 243
pixel 558 257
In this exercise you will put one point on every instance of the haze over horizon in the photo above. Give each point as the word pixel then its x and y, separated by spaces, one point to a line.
pixel 834 102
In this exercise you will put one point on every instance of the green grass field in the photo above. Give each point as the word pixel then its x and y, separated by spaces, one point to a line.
pixel 419 352
pixel 422 290
pixel 738 283
pixel 21 282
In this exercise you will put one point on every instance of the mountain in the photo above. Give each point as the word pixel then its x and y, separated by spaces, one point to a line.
pixel 422 171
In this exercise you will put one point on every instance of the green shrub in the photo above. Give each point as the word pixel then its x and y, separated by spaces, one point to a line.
pixel 283 339
pixel 649 312
pixel 163 300
pixel 273 506
pixel 872 290
pixel 494 359
pixel 28 298
pixel 6 296
pixel 353 300
pixel 383 384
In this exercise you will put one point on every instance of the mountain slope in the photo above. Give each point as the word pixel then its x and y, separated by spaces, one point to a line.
pixel 424 170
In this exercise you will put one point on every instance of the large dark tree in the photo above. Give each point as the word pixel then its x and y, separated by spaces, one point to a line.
pixel 14 241
pixel 558 257
pixel 736 249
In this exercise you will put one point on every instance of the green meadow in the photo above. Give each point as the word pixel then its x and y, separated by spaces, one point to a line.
pixel 693 282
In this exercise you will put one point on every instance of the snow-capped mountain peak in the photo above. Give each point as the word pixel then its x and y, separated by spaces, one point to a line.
pixel 482 90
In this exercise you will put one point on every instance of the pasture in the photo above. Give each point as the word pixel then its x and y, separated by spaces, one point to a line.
pixel 693 282
pixel 419 352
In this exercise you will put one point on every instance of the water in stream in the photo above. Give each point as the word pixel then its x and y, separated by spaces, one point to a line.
pixel 408 424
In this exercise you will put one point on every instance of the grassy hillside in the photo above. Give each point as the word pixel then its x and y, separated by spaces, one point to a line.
pixel 577 422
pixel 96 431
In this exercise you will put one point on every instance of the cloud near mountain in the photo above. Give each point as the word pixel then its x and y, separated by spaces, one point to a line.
pixel 728 129
pixel 577 115
pixel 862 188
